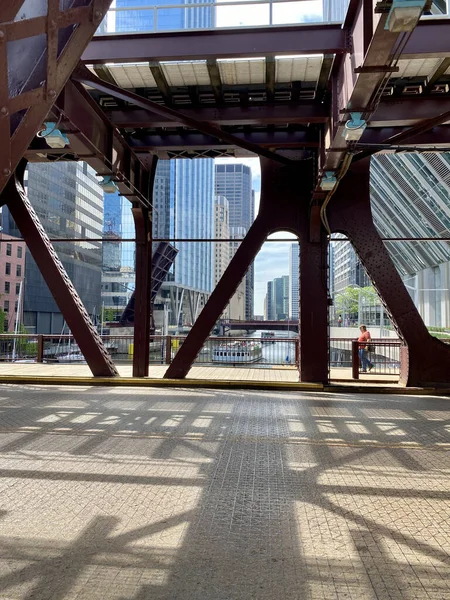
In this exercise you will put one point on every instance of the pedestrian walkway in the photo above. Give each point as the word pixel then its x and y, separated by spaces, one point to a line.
pixel 201 373
pixel 157 494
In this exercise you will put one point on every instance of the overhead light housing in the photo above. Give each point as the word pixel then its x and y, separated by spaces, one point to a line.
pixel 404 15
pixel 354 128
pixel 108 185
pixel 53 136
pixel 328 181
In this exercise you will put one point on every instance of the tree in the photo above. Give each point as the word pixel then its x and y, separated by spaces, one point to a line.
pixel 348 301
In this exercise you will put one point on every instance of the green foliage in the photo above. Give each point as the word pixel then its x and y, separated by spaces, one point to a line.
pixel 109 315
pixel 23 346
pixel 3 319
pixel 346 302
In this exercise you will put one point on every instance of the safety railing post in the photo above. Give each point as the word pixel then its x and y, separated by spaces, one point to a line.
pixel 168 349
pixel 40 348
pixel 355 360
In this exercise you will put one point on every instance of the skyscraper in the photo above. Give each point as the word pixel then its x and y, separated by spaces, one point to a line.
pixel 69 204
pixel 294 257
pixel 234 181
pixel 183 197
pixel 277 299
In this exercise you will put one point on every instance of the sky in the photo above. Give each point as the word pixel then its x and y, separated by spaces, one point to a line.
pixel 273 258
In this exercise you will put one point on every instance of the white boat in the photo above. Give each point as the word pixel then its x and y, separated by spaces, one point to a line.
pixel 268 337
pixel 237 352
pixel 71 357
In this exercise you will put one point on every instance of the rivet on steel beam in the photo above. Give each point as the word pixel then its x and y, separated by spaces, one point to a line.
pixel 3 111
pixel 2 35
pixel 52 93
pixel 97 14
pixel 6 172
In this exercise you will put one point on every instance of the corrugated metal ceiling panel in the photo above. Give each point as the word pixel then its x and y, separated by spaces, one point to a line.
pixel 132 75
pixel 417 67
pixel 186 73
pixel 242 71
pixel 298 68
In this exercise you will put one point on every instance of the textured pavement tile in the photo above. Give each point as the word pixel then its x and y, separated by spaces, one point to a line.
pixel 136 494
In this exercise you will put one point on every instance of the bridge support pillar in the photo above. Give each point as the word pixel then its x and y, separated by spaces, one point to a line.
pixel 55 276
pixel 143 292
pixel 284 206
pixel 349 212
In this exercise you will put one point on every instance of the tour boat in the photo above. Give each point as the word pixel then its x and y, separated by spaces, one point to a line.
pixel 237 352
pixel 268 337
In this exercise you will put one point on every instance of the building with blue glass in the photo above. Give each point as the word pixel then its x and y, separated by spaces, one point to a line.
pixel 183 198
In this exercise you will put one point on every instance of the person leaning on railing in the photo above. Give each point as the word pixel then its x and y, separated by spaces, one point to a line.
pixel 363 351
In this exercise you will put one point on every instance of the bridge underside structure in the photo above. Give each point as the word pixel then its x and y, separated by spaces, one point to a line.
pixel 133 99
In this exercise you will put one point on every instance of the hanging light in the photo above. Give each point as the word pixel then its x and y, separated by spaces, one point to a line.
pixel 354 128
pixel 108 185
pixel 53 136
pixel 328 181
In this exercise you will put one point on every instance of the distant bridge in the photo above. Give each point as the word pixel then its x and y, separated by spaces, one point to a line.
pixel 262 325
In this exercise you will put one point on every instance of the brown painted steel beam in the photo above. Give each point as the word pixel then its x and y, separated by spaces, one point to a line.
pixel 270 78
pixel 9 9
pixel 396 112
pixel 438 73
pixel 56 70
pixel 142 307
pixel 284 206
pixel 56 277
pixel 217 43
pixel 437 136
pixel 161 82
pixel 405 112
pixel 358 91
pixel 215 79
pixel 430 39
pixel 104 73
pixel 302 113
pixel 83 75
pixel 182 141
pixel 350 213
pixel 94 140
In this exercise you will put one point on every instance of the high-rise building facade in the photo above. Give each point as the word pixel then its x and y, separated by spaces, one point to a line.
pixel 69 204
pixel 234 181
pixel 221 231
pixel 183 196
pixel 277 299
pixel 294 260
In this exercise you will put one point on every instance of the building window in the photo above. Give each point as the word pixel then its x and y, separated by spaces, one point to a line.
pixel 19 270
pixel 19 251
pixel 17 289
pixel 6 306
pixel 8 249
pixel 8 269
pixel 16 306
pixel 7 287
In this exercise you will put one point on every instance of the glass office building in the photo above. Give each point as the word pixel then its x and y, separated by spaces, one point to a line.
pixel 234 181
pixel 183 196
pixel 410 197
pixel 69 203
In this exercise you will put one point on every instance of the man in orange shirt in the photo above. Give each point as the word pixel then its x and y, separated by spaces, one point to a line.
pixel 363 345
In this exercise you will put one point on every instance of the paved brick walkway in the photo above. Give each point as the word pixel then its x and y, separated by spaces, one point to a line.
pixel 275 374
pixel 158 494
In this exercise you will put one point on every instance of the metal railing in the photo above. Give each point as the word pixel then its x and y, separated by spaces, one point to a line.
pixel 248 352
pixel 151 18
pixel 217 351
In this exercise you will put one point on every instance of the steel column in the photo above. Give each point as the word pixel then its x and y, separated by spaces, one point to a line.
pixel 284 206
pixel 143 303
pixel 55 276
pixel 142 319
pixel 349 212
